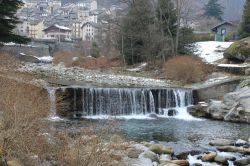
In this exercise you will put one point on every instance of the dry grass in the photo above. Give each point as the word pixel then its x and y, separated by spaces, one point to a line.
pixel 74 59
pixel 23 108
pixel 186 69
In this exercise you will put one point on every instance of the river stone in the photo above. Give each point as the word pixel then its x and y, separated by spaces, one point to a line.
pixel 230 149
pixel 160 149
pixel 150 155
pixel 222 159
pixel 240 142
pixel 172 112
pixel 181 162
pixel 153 116
pixel 165 157
pixel 133 152
pixel 169 164
pixel 198 110
pixel 221 142
pixel 242 162
pixel 208 157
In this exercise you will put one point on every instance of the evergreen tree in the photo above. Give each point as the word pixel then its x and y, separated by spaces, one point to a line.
pixel 135 39
pixel 245 24
pixel 214 9
pixel 8 21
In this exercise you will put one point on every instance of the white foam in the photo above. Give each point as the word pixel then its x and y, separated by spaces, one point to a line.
pixel 55 118
pixel 193 160
pixel 182 114
pixel 122 117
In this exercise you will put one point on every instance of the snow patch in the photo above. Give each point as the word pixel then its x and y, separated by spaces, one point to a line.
pixel 211 51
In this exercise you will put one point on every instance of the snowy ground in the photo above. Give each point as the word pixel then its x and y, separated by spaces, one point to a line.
pixel 91 76
pixel 211 51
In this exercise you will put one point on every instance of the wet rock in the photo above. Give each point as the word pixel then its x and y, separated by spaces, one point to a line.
pixel 165 157
pixel 149 155
pixel 160 149
pixel 153 116
pixel 229 149
pixel 220 159
pixel 240 142
pixel 242 162
pixel 169 164
pixel 208 157
pixel 172 112
pixel 181 162
pixel 134 153
pixel 221 142
pixel 197 164
pixel 198 110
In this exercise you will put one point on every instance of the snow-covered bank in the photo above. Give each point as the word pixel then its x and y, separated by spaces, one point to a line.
pixel 211 51
pixel 91 76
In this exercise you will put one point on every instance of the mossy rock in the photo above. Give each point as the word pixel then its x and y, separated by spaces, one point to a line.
pixel 239 50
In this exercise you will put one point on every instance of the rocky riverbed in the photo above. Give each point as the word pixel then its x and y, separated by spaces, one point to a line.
pixel 223 152
pixel 234 107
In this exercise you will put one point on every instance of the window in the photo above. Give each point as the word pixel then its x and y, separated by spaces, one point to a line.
pixel 223 31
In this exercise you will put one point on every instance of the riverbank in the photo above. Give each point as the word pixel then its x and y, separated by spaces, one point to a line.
pixel 95 77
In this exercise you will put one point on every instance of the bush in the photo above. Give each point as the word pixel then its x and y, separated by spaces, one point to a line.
pixel 186 69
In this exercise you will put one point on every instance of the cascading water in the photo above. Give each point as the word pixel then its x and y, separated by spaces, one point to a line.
pixel 52 105
pixel 99 102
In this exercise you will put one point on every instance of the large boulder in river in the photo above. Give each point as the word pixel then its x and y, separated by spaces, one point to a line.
pixel 239 50
pixel 234 107
pixel 242 162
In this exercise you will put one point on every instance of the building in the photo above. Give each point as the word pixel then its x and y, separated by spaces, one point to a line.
pixel 223 30
pixel 89 31
pixel 57 32
pixel 35 29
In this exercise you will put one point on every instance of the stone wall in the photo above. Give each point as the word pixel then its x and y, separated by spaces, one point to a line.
pixel 216 90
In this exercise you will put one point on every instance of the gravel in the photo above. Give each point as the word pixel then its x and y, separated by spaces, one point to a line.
pixel 61 72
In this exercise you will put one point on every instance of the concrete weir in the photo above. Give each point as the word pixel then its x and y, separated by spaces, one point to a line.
pixel 96 101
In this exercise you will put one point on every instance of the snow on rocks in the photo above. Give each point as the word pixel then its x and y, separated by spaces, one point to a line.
pixel 211 51
pixel 91 76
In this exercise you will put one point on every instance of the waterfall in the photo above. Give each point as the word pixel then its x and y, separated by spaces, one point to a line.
pixel 96 101
pixel 52 103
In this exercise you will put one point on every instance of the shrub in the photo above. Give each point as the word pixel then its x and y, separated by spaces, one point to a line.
pixel 186 69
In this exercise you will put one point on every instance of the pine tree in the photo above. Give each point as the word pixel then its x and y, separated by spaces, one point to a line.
pixel 214 9
pixel 8 21
pixel 135 39
pixel 245 24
